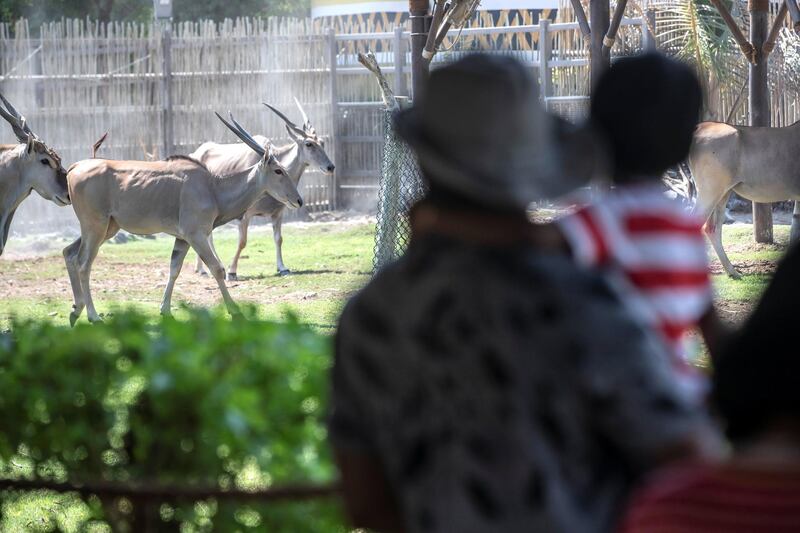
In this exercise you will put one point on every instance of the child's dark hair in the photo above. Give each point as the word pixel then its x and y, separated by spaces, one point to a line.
pixel 756 377
pixel 647 106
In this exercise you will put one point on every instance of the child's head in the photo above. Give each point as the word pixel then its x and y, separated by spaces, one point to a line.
pixel 647 107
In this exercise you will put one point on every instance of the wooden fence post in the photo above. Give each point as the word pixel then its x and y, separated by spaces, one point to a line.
pixel 166 91
pixel 399 62
pixel 759 103
pixel 419 17
pixel 599 13
pixel 545 80
pixel 649 24
pixel 333 55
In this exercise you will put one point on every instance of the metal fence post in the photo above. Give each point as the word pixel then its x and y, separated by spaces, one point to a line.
pixel 545 80
pixel 399 63
pixel 166 91
pixel 333 55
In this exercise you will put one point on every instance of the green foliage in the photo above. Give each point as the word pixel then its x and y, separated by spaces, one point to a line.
pixel 202 402
pixel 697 33
pixel 39 11
pixel 221 9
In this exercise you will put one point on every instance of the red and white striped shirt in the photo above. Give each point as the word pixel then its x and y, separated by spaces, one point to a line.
pixel 718 499
pixel 658 248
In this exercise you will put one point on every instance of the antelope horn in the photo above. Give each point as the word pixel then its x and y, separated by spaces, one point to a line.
pixel 288 122
pixel 306 122
pixel 242 134
pixel 18 124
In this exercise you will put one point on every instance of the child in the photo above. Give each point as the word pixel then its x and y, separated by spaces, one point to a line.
pixel 647 108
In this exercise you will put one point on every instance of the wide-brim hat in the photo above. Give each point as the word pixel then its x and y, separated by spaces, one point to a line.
pixel 479 129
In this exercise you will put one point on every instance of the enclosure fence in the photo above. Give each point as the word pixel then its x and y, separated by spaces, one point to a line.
pixel 154 88
pixel 401 186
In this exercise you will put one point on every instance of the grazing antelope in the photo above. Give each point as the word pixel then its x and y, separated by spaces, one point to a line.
pixel 755 162
pixel 306 150
pixel 29 166
pixel 178 196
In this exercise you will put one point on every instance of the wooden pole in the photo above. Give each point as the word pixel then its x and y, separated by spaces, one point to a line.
pixel 599 12
pixel 418 10
pixel 759 103
pixel 748 47
pixel 580 14
pixel 616 20
pixel 333 57
pixel 545 79
pixel 777 24
pixel 166 91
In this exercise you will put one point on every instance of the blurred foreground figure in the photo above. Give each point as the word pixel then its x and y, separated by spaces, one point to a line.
pixel 647 108
pixel 757 393
pixel 484 382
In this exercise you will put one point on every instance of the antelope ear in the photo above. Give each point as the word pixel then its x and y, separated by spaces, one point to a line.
pixel 30 146
pixel 294 135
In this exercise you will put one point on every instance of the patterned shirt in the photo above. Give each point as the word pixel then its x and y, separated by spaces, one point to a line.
pixel 501 390
pixel 659 249
pixel 718 499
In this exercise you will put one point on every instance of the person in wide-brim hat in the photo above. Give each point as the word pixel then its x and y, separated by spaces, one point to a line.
pixel 479 131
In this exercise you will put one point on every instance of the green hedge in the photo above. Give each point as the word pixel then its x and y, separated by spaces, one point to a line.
pixel 203 402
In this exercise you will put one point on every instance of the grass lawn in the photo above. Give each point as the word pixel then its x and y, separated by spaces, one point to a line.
pixel 329 261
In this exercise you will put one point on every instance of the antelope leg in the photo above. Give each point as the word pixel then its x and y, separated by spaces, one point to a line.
pixel 277 234
pixel 244 225
pixel 71 259
pixel 179 251
pixel 200 244
pixel 87 252
pixel 198 266
pixel 713 230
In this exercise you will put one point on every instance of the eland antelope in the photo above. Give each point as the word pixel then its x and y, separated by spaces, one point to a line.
pixel 178 196
pixel 306 150
pixel 29 166
pixel 755 162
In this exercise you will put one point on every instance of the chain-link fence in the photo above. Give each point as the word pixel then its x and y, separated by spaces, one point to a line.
pixel 400 187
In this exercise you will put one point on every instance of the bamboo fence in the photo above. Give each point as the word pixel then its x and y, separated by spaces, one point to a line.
pixel 155 88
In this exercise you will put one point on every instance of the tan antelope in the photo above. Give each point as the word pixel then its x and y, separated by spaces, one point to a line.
pixel 306 150
pixel 178 196
pixel 29 166
pixel 755 162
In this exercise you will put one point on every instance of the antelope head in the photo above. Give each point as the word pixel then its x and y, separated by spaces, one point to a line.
pixel 311 149
pixel 270 174
pixel 32 167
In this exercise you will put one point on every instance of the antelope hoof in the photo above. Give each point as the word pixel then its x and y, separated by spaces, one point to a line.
pixel 96 320
pixel 284 272
pixel 735 274
pixel 232 276
pixel 73 318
